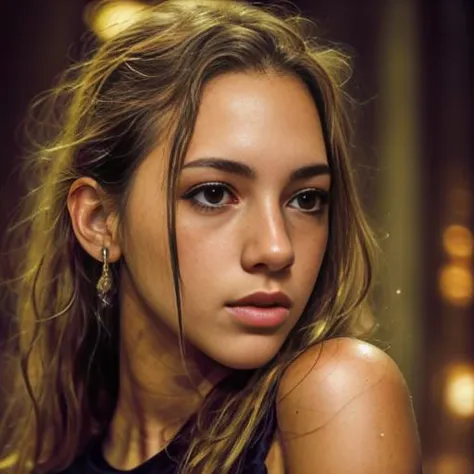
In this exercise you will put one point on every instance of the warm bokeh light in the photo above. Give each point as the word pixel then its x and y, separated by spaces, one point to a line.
pixel 458 241
pixel 459 390
pixel 455 284
pixel 448 464
pixel 109 18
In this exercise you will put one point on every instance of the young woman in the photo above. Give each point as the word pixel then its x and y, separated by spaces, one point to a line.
pixel 196 261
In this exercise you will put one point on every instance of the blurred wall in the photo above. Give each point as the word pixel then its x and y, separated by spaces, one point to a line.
pixel 447 144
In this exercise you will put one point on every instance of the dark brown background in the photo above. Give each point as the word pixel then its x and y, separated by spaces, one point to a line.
pixel 413 76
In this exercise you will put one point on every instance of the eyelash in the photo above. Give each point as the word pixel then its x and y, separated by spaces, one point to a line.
pixel 322 195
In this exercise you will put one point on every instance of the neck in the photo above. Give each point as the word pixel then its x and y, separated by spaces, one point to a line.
pixel 157 392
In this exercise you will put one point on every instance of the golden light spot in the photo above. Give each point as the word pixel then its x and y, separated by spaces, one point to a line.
pixel 455 284
pixel 108 18
pixel 448 464
pixel 459 390
pixel 458 241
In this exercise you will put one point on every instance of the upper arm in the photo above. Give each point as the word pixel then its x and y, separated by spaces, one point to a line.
pixel 343 407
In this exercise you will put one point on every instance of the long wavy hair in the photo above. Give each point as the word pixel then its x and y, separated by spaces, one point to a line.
pixel 139 88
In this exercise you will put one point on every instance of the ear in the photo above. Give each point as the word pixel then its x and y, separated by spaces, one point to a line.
pixel 93 220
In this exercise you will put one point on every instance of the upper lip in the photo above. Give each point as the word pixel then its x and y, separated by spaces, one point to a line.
pixel 262 298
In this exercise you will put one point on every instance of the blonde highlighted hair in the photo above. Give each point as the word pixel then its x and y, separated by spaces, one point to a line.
pixel 135 90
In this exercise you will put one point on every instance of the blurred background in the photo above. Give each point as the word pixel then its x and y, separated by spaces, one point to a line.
pixel 413 76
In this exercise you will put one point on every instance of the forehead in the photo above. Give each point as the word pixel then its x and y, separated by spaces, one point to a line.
pixel 259 119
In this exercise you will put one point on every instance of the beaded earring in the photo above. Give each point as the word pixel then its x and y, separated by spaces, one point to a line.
pixel 104 285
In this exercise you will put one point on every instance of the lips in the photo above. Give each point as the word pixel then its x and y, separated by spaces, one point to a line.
pixel 261 309
pixel 264 300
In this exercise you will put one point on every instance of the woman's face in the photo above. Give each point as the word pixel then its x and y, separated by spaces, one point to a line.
pixel 251 218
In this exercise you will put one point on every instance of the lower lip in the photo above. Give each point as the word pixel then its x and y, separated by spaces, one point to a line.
pixel 256 316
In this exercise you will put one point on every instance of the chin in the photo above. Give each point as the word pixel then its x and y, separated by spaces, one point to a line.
pixel 244 358
pixel 246 364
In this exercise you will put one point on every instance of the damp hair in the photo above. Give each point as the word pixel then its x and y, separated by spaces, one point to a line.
pixel 132 92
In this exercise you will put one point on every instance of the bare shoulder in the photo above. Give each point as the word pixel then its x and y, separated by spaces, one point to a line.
pixel 336 370
pixel 345 403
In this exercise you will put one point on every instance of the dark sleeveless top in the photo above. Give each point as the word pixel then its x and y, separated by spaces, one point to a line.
pixel 167 460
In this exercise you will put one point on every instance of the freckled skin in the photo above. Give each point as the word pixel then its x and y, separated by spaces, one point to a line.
pixel 236 236
pixel 258 241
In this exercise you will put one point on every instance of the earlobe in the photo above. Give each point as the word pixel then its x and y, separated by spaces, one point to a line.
pixel 94 225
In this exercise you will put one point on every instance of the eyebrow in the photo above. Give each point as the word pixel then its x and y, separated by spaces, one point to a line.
pixel 241 169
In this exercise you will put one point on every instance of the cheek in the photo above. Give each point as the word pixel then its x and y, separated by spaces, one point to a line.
pixel 199 257
pixel 309 252
pixel 147 256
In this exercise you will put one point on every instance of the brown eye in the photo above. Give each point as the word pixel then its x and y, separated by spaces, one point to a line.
pixel 310 200
pixel 211 196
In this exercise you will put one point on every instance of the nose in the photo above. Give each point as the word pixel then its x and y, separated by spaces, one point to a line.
pixel 267 243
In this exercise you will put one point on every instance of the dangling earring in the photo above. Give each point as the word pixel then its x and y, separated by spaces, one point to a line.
pixel 104 285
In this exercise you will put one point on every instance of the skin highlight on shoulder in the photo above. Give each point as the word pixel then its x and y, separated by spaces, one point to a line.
pixel 345 402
